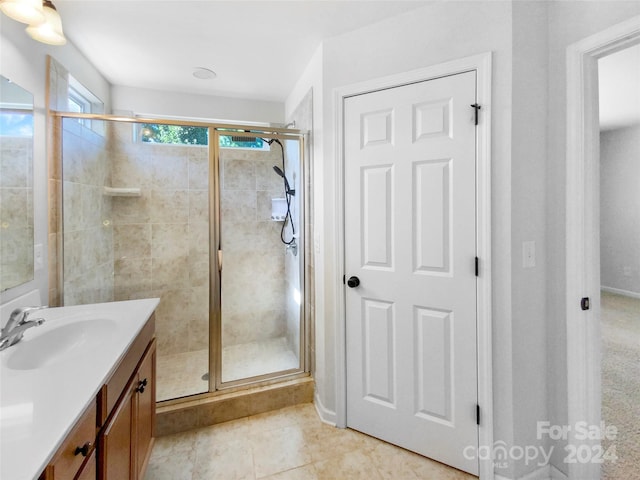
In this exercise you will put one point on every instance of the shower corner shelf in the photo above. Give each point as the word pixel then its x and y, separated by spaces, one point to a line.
pixel 121 192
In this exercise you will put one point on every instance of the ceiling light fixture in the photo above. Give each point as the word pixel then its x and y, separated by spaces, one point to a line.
pixel 202 73
pixel 50 31
pixel 45 24
pixel 23 11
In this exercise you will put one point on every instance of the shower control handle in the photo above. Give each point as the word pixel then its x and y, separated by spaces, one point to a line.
pixel 353 282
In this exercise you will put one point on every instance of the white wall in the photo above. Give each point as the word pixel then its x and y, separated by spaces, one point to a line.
pixel 177 104
pixel 312 78
pixel 528 161
pixel 569 22
pixel 620 209
pixel 23 60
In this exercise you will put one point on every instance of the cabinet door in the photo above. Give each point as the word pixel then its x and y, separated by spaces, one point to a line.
pixel 146 408
pixel 89 470
pixel 117 447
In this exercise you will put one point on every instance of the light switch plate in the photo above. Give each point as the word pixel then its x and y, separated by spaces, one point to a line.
pixel 38 260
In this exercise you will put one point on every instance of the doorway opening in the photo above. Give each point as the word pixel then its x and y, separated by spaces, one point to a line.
pixel 619 114
pixel 583 276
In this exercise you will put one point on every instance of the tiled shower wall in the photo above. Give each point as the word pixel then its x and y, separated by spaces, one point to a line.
pixel 161 238
pixel 88 234
pixel 253 273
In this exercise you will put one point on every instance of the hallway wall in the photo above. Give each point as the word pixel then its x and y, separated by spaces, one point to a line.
pixel 620 209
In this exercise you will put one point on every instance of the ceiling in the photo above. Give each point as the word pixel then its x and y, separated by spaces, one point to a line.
pixel 258 48
pixel 619 84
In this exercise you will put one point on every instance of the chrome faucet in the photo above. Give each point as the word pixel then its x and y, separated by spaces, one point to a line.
pixel 16 326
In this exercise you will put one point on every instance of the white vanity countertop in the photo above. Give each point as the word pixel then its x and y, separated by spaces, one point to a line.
pixel 41 397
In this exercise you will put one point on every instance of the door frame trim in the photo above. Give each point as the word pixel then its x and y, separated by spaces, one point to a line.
pixel 582 226
pixel 482 65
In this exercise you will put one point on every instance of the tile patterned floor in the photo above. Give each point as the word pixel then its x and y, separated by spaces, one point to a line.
pixel 288 444
pixel 181 374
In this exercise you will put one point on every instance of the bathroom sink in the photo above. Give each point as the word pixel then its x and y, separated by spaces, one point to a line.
pixel 62 342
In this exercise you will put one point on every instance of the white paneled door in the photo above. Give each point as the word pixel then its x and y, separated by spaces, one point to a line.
pixel 410 235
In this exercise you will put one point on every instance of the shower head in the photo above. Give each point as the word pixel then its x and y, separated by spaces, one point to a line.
pixel 278 170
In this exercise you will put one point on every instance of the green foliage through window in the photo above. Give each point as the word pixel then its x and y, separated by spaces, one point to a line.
pixel 189 135
pixel 174 134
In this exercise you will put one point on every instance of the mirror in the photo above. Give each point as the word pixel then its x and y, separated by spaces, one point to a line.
pixel 16 185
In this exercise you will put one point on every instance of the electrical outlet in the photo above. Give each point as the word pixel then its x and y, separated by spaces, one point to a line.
pixel 38 260
pixel 528 254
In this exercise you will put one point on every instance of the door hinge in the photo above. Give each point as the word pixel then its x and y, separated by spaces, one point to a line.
pixel 585 303
pixel 477 108
pixel 477 414
pixel 477 267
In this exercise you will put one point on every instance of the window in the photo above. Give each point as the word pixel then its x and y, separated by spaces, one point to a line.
pixel 190 135
pixel 81 100
pixel 173 134
pixel 77 103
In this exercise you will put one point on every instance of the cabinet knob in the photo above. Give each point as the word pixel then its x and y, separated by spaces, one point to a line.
pixel 83 450
pixel 141 385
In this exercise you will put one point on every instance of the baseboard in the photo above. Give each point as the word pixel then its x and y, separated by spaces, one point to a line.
pixel 557 474
pixel 327 416
pixel 548 472
pixel 619 291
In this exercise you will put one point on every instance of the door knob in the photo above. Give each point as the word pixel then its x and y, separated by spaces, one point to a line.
pixel 353 282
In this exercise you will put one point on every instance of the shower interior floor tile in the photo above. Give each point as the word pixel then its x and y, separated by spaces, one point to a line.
pixel 181 374
pixel 287 444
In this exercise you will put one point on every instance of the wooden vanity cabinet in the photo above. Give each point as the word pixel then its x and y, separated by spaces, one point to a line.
pixel 113 438
pixel 125 443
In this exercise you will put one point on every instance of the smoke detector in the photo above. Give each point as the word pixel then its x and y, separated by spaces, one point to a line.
pixel 202 73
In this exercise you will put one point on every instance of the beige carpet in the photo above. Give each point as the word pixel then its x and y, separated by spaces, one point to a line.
pixel 621 383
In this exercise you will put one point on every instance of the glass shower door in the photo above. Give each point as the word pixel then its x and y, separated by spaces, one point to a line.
pixel 136 225
pixel 261 288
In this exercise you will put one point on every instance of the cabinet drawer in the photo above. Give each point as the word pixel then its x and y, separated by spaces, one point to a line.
pixel 77 446
pixel 114 388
